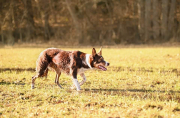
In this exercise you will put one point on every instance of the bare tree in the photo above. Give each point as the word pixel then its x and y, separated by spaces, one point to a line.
pixel 141 14
pixel 91 21
pixel 111 20
pixel 29 22
pixel 171 18
pixel 8 25
pixel 75 21
pixel 164 19
pixel 52 6
pixel 155 19
pixel 147 19
pixel 46 14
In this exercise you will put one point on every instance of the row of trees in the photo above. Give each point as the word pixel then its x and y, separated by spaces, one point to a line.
pixel 157 20
pixel 89 21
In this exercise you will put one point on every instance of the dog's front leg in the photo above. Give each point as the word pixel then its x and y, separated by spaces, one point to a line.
pixel 82 82
pixel 75 81
pixel 84 79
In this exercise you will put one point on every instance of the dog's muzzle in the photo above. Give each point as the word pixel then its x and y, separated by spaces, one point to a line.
pixel 107 64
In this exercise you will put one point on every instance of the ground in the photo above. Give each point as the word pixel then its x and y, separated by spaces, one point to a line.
pixel 140 82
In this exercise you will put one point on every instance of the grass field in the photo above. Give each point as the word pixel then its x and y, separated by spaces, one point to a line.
pixel 140 82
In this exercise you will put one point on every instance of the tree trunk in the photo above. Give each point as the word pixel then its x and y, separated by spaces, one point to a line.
pixel 141 14
pixel 147 20
pixel 156 16
pixel 20 34
pixel 28 20
pixel 9 24
pixel 164 19
pixel 2 35
pixel 40 12
pixel 110 32
pixel 51 4
pixel 177 34
pixel 44 9
pixel 46 26
pixel 171 19
pixel 75 21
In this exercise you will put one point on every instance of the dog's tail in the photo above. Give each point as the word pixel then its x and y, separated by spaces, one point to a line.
pixel 44 59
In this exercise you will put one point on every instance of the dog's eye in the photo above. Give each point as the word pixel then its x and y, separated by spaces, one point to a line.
pixel 100 60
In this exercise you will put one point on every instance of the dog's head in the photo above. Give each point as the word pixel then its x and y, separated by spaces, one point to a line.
pixel 98 61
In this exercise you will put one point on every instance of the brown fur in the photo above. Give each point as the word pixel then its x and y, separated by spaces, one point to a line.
pixel 69 62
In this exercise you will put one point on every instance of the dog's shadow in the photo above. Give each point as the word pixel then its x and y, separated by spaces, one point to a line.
pixel 141 94
pixel 9 83
pixel 129 90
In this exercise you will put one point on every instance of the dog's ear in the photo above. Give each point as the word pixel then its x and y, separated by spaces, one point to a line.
pixel 100 52
pixel 93 52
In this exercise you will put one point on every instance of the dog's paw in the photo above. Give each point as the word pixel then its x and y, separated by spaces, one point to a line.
pixel 78 90
pixel 32 87
pixel 72 87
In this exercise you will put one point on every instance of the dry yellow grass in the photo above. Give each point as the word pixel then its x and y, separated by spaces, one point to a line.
pixel 140 82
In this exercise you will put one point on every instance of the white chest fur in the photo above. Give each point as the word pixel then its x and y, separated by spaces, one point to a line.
pixel 87 60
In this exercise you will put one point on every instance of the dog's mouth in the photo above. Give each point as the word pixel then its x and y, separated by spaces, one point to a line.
pixel 102 68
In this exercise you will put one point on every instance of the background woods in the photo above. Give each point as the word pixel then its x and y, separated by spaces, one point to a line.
pixel 76 22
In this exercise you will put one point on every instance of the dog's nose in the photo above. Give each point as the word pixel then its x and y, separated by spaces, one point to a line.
pixel 108 64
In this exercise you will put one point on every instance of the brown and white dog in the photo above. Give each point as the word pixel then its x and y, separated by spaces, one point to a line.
pixel 70 62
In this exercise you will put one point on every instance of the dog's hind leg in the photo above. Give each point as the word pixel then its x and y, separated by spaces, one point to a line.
pixel 33 80
pixel 58 73
pixel 45 73
pixel 84 79
pixel 40 73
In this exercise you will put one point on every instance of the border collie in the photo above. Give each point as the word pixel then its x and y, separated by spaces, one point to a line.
pixel 69 62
